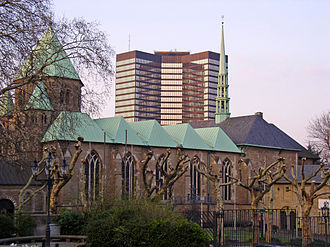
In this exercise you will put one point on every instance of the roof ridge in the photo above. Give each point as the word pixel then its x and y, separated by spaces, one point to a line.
pixel 252 125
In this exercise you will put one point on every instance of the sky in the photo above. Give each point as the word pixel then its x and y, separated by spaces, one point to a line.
pixel 279 50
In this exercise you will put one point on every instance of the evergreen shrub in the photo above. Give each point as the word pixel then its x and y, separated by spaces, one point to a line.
pixel 71 222
pixel 141 223
pixel 25 225
pixel 7 226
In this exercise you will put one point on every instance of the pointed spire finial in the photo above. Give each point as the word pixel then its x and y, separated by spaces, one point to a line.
pixel 222 68
pixel 222 100
pixel 222 19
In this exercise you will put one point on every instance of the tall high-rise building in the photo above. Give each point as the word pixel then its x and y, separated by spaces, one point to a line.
pixel 171 87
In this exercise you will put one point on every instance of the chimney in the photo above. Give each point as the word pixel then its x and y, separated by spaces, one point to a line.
pixel 259 113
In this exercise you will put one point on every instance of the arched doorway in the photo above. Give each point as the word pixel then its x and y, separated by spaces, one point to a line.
pixel 6 206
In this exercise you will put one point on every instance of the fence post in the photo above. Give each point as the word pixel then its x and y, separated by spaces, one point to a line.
pixel 215 230
pixel 222 214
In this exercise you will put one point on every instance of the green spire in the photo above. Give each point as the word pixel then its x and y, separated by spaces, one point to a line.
pixel 6 104
pixel 39 99
pixel 222 100
pixel 49 53
pixel 222 65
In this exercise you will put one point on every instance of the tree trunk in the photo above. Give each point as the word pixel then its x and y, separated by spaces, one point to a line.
pixel 220 215
pixel 269 222
pixel 255 225
pixel 306 228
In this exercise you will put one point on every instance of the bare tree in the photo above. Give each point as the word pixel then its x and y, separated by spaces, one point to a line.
pixel 170 176
pixel 148 175
pixel 217 180
pixel 259 185
pixel 25 60
pixel 59 181
pixel 307 194
pixel 262 180
pixel 23 22
pixel 319 132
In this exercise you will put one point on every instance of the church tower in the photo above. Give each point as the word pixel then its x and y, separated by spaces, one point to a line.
pixel 49 84
pixel 50 64
pixel 222 100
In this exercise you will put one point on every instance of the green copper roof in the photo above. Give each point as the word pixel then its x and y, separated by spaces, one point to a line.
pixel 6 104
pixel 39 99
pixel 70 125
pixel 217 139
pixel 185 135
pixel 116 128
pixel 153 133
pixel 50 53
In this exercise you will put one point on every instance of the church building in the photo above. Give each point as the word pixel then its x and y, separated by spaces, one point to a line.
pixel 47 109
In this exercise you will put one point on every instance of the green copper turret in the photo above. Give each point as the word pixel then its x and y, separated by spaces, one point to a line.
pixel 222 100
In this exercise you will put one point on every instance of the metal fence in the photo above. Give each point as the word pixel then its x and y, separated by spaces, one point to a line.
pixel 277 227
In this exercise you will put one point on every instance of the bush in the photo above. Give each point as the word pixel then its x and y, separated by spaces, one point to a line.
pixel 71 222
pixel 7 227
pixel 25 225
pixel 318 243
pixel 296 242
pixel 276 241
pixel 140 223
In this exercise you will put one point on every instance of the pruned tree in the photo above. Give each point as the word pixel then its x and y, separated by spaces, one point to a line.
pixel 259 184
pixel 217 180
pixel 307 194
pixel 59 180
pixel 319 132
pixel 148 175
pixel 263 179
pixel 170 176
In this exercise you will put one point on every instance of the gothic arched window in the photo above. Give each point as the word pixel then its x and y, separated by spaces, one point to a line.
pixel 92 176
pixel 127 166
pixel 195 182
pixel 159 176
pixel 226 178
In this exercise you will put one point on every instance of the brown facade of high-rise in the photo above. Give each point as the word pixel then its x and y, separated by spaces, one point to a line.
pixel 171 87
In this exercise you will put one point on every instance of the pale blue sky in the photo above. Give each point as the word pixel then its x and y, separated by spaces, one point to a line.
pixel 279 51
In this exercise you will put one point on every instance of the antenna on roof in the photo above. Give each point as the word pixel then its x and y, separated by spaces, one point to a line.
pixel 129 42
